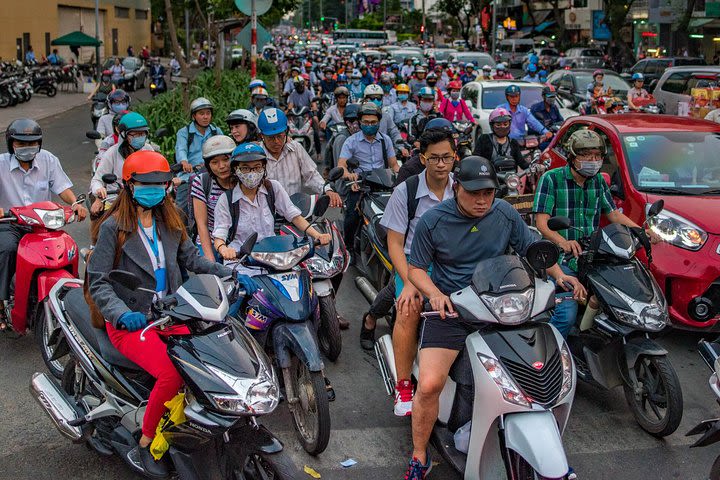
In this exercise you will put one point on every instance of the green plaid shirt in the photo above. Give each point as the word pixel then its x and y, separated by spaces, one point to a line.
pixel 558 194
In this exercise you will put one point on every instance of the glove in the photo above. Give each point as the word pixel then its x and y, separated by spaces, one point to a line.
pixel 132 321
pixel 247 284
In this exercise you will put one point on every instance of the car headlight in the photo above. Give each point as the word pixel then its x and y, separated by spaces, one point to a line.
pixel 510 391
pixel 567 381
pixel 678 231
pixel 255 396
pixel 52 219
pixel 510 308
pixel 281 260
pixel 646 316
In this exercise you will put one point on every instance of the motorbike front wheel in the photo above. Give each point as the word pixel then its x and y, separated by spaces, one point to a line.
pixel 51 91
pixel 311 412
pixel 329 338
pixel 658 408
pixel 268 466
pixel 44 329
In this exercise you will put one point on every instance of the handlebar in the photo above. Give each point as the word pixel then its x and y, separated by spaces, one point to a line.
pixel 156 323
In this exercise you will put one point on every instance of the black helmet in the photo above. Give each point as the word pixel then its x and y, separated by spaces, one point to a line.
pixel 370 109
pixel 24 130
pixel 476 173
pixel 351 112
pixel 440 123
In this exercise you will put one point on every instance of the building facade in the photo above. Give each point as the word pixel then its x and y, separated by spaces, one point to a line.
pixel 37 22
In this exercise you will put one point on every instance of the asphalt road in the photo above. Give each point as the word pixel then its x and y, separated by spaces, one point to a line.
pixel 602 439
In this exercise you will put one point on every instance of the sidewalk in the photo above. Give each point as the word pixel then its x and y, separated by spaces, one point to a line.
pixel 40 106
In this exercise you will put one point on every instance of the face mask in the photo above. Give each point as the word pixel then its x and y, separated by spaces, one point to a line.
pixel 589 169
pixel 138 142
pixel 26 154
pixel 431 83
pixel 260 103
pixel 118 107
pixel 386 88
pixel 455 95
pixel 251 179
pixel 377 102
pixel 403 97
pixel 426 106
pixel 501 131
pixel 149 196
pixel 370 130
pixel 356 82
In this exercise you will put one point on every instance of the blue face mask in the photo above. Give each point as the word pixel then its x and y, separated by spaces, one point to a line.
pixel 377 102
pixel 149 195
pixel 138 142
pixel 386 88
pixel 403 97
pixel 369 130
pixel 118 107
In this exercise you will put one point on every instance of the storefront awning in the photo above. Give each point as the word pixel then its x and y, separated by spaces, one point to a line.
pixel 699 22
pixel 77 39
pixel 544 25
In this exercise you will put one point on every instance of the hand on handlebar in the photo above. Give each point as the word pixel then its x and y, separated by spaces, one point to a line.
pixel 572 283
pixel 132 321
pixel 571 246
pixel 653 236
pixel 101 193
pixel 335 200
pixel 227 253
pixel 548 135
pixel 80 211
pixel 247 283
pixel 96 206
pixel 187 166
pixel 442 304
pixel 324 238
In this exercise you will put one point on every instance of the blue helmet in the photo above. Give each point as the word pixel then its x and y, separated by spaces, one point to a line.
pixel 542 74
pixel 637 76
pixel 247 152
pixel 532 68
pixel 272 121
pixel 426 92
pixel 256 83
pixel 512 90
pixel 342 78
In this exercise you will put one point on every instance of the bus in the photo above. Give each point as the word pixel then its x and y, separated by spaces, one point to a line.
pixel 365 38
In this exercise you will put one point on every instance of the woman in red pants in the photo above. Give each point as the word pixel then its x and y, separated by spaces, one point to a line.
pixel 144 234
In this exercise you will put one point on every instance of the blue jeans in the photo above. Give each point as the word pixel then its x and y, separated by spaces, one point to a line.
pixel 565 312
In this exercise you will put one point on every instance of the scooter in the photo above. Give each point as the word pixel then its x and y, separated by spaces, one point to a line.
pixel 45 256
pixel 709 429
pixel 614 347
pixel 464 138
pixel 301 126
pixel 283 316
pixel 518 186
pixel 44 82
pixel 157 85
pixel 509 395
pixel 98 109
pixel 229 382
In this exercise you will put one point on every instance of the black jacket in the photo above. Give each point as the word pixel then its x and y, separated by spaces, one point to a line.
pixel 413 166
pixel 484 148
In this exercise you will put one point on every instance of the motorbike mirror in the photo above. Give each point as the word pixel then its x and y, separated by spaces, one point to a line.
pixel 161 132
pixel 93 135
pixel 542 255
pixel 127 279
pixel 468 130
pixel 353 162
pixel 335 174
pixel 321 206
pixel 559 223
pixel 656 208
pixel 109 178
pixel 248 245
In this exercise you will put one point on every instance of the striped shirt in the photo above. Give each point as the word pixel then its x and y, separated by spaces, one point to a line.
pixel 294 169
pixel 215 192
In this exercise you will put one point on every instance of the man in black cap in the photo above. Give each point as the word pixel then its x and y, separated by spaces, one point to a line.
pixel 454 237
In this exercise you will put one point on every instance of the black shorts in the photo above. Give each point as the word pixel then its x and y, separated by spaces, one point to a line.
pixel 449 333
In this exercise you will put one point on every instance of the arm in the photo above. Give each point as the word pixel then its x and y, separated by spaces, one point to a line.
pixel 616 216
pixel 533 123
pixel 189 257
pixel 100 263
pixel 181 147
pixel 201 221
pixel 466 111
pixel 221 228
pixel 97 187
pixel 304 225
pixel 517 154
pixel 93 92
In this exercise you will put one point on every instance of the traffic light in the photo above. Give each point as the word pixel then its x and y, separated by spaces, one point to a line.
pixel 322 19
pixel 422 28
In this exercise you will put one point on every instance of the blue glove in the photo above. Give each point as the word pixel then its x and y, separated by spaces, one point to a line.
pixel 132 321
pixel 247 283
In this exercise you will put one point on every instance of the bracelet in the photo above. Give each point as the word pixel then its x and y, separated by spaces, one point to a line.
pixel 221 245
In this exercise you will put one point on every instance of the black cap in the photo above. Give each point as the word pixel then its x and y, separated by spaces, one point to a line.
pixel 476 173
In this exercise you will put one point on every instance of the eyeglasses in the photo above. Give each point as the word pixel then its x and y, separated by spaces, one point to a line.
pixel 445 159
pixel 246 169
pixel 374 98
pixel 369 124
pixel 280 137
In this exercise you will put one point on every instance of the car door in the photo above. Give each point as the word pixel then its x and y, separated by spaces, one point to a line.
pixel 566 90
pixel 671 90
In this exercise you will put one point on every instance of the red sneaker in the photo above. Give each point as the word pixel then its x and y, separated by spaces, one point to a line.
pixel 403 398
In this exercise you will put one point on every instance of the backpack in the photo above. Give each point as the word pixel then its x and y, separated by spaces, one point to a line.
pixel 412 184
pixel 235 208
pixel 191 136
pixel 206 181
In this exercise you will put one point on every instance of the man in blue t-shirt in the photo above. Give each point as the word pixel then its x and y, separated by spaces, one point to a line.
pixel 454 237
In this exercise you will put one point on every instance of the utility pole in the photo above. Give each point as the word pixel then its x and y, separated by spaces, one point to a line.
pixel 310 22
pixel 97 37
pixel 494 27
pixel 385 14
pixel 424 27
pixel 187 33
pixel 253 41
pixel 347 3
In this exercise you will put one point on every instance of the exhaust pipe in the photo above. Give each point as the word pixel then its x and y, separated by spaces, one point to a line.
pixel 386 361
pixel 366 288
pixel 56 405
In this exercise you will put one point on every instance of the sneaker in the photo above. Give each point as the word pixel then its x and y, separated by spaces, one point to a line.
pixel 571 474
pixel 367 336
pixel 418 471
pixel 143 460
pixel 403 398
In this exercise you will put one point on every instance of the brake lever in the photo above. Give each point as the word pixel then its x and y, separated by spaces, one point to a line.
pixel 154 324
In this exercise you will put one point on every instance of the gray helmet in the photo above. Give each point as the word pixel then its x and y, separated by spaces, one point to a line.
pixel 584 139
pixel 241 116
pixel 23 130
pixel 370 108
pixel 341 91
pixel 217 145
pixel 200 103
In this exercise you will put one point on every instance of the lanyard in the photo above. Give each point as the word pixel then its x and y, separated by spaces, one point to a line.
pixel 153 242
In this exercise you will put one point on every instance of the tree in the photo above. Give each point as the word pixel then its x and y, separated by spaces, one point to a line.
pixel 682 34
pixel 616 12
pixel 559 17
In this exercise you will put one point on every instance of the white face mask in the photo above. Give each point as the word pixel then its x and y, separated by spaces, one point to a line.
pixel 250 179
pixel 590 168
pixel 426 106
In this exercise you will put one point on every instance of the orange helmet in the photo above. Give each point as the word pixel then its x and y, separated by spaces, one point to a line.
pixel 146 166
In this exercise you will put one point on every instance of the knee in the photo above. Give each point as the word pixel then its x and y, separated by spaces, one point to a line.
pixel 430 385
pixel 407 323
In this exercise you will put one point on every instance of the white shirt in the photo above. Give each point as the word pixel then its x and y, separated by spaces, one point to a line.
pixel 104 125
pixel 153 259
pixel 294 169
pixel 713 116
pixel 395 217
pixel 111 161
pixel 19 188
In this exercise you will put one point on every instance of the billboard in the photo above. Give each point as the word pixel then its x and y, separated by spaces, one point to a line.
pixel 600 30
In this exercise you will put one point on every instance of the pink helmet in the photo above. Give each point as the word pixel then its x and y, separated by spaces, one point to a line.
pixel 500 114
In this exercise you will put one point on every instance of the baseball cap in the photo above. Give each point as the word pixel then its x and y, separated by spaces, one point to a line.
pixel 476 173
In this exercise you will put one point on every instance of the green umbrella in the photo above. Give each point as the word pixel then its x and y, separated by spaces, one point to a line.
pixel 77 39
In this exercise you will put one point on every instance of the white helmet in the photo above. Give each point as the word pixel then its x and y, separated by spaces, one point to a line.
pixel 217 145
pixel 487 68
pixel 373 89
pixel 241 115
pixel 200 103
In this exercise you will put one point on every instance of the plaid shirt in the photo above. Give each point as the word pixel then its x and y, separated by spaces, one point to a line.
pixel 558 194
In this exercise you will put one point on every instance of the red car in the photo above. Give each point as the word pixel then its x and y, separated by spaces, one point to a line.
pixel 677 159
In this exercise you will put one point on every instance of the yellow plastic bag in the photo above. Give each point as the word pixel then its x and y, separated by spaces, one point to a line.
pixel 174 416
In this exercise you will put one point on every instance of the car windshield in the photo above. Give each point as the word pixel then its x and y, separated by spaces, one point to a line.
pixel 613 81
pixel 683 161
pixel 478 59
pixel 443 53
pixel 591 53
pixel 129 63
pixel 492 97
pixel 549 51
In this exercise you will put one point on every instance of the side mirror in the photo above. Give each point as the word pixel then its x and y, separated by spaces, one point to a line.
pixel 248 245
pixel 162 132
pixel 542 255
pixel 127 279
pixel 559 223
pixel 93 135
pixel 656 208
pixel 321 206
pixel 353 162
pixel 335 174
pixel 109 178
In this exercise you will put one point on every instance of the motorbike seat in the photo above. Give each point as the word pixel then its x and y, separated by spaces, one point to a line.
pixel 79 313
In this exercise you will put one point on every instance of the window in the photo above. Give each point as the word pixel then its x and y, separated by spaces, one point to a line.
pixel 122 12
pixel 675 83
pixel 657 66
pixel 689 61
pixel 610 165
pixel 567 82
pixel 141 14
pixel 639 67
pixel 580 3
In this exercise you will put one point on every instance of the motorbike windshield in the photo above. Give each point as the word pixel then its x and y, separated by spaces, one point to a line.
pixel 380 178
pixel 498 275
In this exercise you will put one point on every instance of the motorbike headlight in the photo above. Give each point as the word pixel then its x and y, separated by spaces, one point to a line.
pixel 152 85
pixel 678 231
pixel 510 391
pixel 652 317
pixel 255 396
pixel 52 219
pixel 512 181
pixel 281 260
pixel 510 308
pixel 321 268
pixel 567 366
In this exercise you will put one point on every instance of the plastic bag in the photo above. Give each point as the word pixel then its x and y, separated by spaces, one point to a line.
pixel 462 438
pixel 174 416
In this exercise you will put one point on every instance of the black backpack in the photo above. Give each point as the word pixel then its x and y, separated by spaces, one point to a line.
pixel 412 184
pixel 206 181
pixel 235 208
pixel 191 136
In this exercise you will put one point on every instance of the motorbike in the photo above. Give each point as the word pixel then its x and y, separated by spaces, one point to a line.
pixel 464 139
pixel 229 383
pixel 517 186
pixel 157 85
pixel 24 88
pixel 709 429
pixel 45 256
pixel 509 395
pixel 284 316
pixel 614 348
pixel 326 267
pixel 98 109
pixel 646 105
pixel 9 95
pixel 44 83
pixel 301 126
